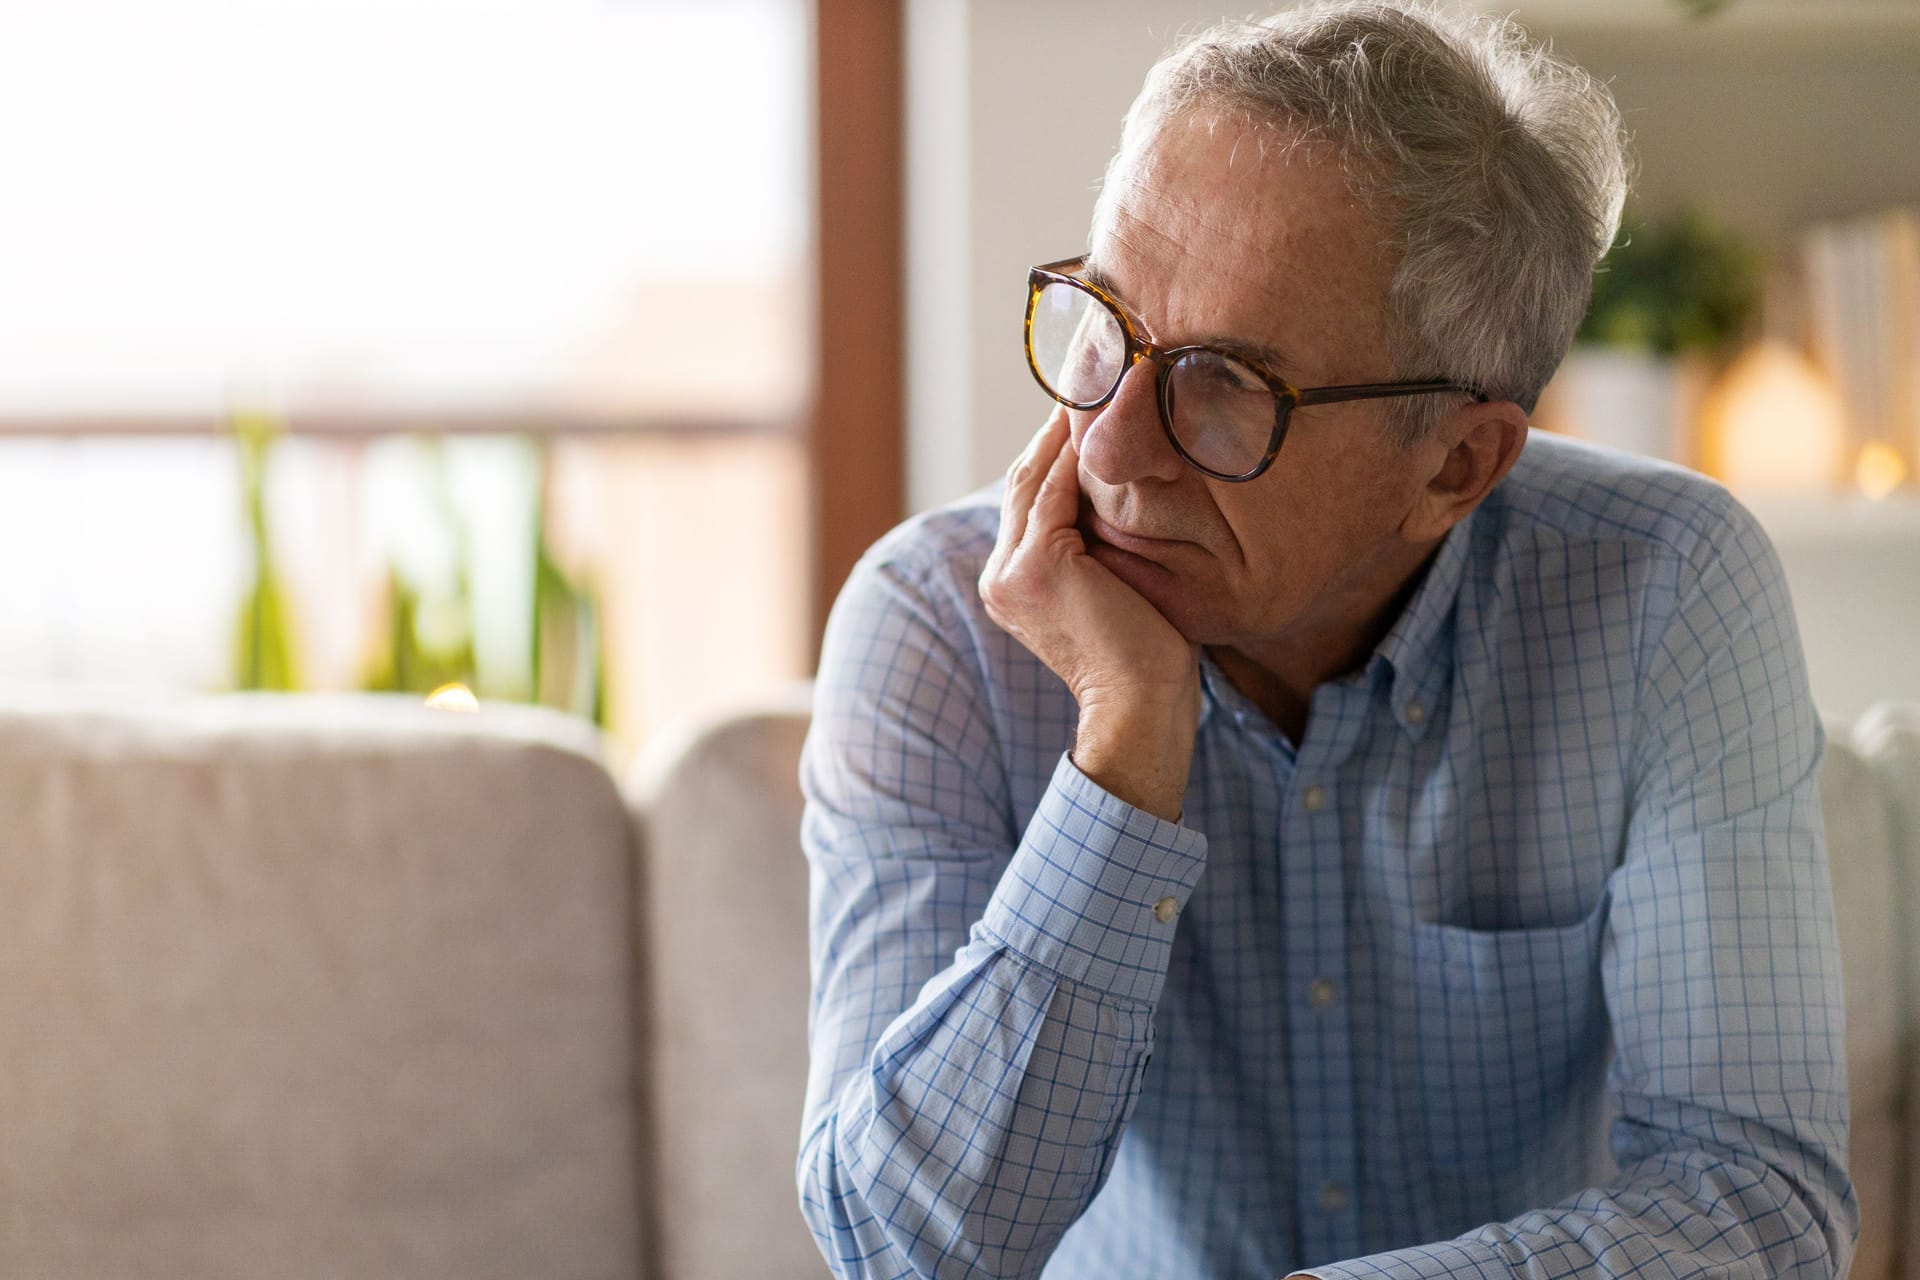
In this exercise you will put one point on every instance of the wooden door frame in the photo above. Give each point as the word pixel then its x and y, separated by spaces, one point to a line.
pixel 856 453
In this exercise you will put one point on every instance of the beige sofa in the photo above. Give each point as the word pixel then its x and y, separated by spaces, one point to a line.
pixel 322 987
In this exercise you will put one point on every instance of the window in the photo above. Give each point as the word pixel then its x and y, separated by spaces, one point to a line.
pixel 566 240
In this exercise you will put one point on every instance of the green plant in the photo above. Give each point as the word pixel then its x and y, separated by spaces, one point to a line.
pixel 263 640
pixel 569 658
pixel 1674 285
pixel 429 638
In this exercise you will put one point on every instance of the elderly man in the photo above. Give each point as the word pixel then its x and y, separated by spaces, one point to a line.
pixel 1303 822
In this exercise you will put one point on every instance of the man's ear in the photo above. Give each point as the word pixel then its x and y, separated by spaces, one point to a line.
pixel 1465 456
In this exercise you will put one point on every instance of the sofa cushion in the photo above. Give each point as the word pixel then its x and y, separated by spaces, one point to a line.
pixel 726 1033
pixel 1872 928
pixel 312 988
pixel 1888 738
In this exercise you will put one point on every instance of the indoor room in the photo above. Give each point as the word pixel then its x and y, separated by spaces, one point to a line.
pixel 557 717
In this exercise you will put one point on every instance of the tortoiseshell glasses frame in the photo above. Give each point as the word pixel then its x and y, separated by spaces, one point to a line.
pixel 1286 396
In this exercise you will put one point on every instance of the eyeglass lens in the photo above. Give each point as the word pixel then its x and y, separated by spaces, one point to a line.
pixel 1219 410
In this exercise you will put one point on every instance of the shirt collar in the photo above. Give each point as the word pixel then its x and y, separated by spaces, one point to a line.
pixel 1418 649
pixel 1416 653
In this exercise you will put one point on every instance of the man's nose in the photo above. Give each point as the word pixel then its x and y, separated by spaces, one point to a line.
pixel 1125 442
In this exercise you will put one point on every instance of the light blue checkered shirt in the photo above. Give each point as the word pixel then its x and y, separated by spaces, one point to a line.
pixel 1533 930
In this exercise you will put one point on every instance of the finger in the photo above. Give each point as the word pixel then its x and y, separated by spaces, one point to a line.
pixel 1025 476
pixel 1038 441
pixel 1056 505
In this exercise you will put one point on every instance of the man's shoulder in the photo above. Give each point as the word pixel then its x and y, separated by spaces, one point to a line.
pixel 942 547
pixel 922 577
pixel 1565 491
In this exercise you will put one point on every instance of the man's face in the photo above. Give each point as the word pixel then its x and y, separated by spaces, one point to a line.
pixel 1217 235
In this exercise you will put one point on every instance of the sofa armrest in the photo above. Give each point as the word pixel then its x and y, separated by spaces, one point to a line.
pixel 723 1041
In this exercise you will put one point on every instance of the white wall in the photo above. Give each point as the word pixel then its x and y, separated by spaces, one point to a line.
pixel 1854 572
pixel 1777 112
pixel 1013 111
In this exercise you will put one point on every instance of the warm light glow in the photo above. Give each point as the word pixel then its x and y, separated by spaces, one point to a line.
pixel 1879 470
pixel 453 697
pixel 1773 423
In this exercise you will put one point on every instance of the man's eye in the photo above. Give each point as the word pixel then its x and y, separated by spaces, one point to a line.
pixel 1244 378
pixel 1221 373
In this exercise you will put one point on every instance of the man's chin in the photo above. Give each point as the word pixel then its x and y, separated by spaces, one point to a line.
pixel 1158 584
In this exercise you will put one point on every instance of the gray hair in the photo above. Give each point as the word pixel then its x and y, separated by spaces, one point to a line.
pixel 1498 170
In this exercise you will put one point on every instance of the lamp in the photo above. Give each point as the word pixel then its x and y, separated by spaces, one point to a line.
pixel 1773 423
pixel 1879 470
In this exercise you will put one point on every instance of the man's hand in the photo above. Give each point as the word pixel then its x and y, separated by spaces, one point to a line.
pixel 1133 675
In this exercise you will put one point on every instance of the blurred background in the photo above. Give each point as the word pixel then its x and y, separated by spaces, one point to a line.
pixel 405 344
pixel 570 350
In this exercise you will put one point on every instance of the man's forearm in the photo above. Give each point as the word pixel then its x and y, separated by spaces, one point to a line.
pixel 1698 1212
pixel 963 1141
pixel 985 1118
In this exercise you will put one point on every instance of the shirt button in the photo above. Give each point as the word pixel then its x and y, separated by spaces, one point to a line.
pixel 1314 797
pixel 1333 1197
pixel 1322 993
pixel 1416 712
pixel 1165 910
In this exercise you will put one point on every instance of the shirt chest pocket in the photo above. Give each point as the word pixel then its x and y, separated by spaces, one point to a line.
pixel 1500 1044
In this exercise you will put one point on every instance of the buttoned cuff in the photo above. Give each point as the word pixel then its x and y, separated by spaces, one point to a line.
pixel 1441 1261
pixel 1096 888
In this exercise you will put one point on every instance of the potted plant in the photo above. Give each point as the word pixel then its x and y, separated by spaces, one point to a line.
pixel 1673 298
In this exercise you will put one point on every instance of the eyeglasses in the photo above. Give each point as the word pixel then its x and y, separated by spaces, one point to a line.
pixel 1224 415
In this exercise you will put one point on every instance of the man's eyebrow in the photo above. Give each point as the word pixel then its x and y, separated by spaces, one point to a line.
pixel 1252 352
pixel 1095 275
